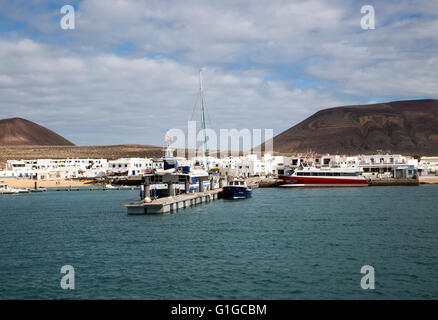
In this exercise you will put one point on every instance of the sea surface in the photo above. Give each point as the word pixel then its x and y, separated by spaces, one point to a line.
pixel 281 244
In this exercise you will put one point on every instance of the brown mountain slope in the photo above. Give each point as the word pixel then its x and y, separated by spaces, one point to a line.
pixel 17 131
pixel 407 127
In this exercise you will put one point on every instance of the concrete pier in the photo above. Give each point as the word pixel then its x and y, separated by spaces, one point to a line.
pixel 394 182
pixel 169 204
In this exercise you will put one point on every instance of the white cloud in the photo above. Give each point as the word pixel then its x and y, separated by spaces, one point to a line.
pixel 110 99
pixel 128 72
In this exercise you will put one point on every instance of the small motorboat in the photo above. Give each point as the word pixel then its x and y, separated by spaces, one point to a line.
pixel 4 189
pixel 236 189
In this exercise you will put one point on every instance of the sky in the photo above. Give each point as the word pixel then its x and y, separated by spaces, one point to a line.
pixel 128 72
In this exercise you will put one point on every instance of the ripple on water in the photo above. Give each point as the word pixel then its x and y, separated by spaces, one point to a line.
pixel 281 244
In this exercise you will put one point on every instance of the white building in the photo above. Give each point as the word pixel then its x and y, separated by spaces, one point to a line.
pixel 428 166
pixel 52 169
pixel 248 165
pixel 53 164
pixel 133 166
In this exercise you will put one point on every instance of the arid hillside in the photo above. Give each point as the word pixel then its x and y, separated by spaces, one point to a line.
pixel 17 131
pixel 406 127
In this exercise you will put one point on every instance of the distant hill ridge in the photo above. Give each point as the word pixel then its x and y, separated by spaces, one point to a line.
pixel 407 127
pixel 17 131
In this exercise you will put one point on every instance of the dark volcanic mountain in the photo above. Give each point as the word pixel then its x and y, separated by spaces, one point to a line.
pixel 407 127
pixel 17 131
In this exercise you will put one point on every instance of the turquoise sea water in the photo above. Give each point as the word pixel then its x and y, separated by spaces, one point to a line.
pixel 281 244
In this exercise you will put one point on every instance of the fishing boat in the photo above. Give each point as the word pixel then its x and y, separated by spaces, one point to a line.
pixel 236 189
pixel 304 176
pixel 4 189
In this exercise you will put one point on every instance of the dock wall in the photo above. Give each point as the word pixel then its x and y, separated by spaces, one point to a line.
pixel 393 182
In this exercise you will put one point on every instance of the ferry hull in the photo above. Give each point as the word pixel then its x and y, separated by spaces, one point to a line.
pixel 301 181
pixel 316 185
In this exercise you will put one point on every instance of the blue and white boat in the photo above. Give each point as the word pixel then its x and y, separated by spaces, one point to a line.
pixel 236 189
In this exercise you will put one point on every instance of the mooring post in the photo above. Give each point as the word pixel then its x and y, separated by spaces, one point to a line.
pixel 170 189
pixel 221 182
pixel 147 188
pixel 201 186
pixel 187 185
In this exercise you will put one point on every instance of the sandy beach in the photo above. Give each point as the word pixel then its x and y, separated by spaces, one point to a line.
pixel 429 179
pixel 28 183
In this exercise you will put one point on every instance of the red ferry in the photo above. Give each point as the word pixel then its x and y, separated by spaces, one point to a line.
pixel 324 177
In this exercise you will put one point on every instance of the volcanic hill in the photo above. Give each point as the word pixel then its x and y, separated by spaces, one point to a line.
pixel 406 127
pixel 17 131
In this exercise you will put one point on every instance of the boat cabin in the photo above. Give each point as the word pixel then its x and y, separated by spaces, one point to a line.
pixel 240 183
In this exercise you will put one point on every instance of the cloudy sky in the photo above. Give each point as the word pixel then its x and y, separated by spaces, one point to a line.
pixel 128 72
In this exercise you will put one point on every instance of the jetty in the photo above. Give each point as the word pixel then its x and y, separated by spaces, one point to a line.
pixel 394 182
pixel 169 204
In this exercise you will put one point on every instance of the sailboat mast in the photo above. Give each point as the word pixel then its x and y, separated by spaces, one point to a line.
pixel 201 93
